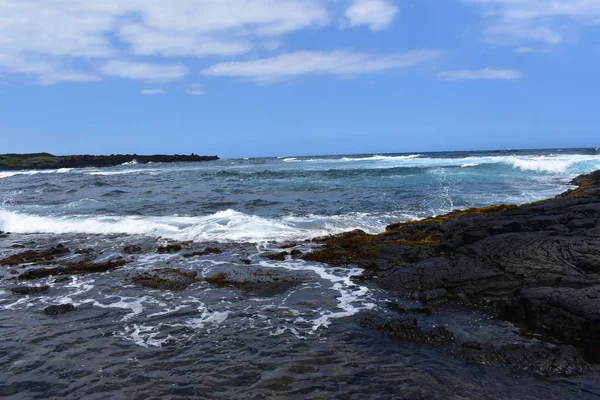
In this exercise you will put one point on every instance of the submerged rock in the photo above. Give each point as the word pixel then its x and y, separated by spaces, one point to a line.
pixel 166 278
pixel 540 359
pixel 59 309
pixel 257 281
pixel 132 249
pixel 27 290
pixel 537 264
pixel 72 269
pixel 277 256
pixel 174 248
pixel 36 256
pixel 207 251
pixel 406 328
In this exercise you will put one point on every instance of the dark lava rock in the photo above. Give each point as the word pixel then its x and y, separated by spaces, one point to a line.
pixel 406 329
pixel 166 278
pixel 207 251
pixel 257 281
pixel 60 309
pixel 246 261
pixel 295 253
pixel 49 161
pixel 537 264
pixel 174 248
pixel 417 310
pixel 132 249
pixel 72 269
pixel 30 289
pixel 277 256
pixel 540 359
pixel 36 256
pixel 288 245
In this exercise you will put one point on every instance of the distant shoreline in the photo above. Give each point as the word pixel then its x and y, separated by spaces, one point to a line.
pixel 40 161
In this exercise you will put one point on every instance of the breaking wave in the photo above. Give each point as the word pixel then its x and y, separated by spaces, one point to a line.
pixel 222 226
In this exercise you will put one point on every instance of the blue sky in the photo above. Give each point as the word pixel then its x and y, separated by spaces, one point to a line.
pixel 247 78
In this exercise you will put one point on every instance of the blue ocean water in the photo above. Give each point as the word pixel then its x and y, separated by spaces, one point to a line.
pixel 284 198
pixel 302 342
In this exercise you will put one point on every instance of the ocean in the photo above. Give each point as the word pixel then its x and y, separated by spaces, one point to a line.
pixel 302 341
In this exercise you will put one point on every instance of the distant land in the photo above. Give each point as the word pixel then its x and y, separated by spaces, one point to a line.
pixel 13 162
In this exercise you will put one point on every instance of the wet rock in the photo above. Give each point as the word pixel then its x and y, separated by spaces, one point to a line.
pixel 257 281
pixel 72 269
pixel 433 295
pixel 295 253
pixel 537 264
pixel 85 251
pixel 246 261
pixel 540 359
pixel 132 249
pixel 30 290
pixel 166 279
pixel 288 245
pixel 174 248
pixel 277 256
pixel 416 310
pixel 36 256
pixel 406 329
pixel 59 309
pixel 207 251
pixel 17 246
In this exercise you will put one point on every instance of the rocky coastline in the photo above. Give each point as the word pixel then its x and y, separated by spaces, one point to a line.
pixel 41 161
pixel 536 265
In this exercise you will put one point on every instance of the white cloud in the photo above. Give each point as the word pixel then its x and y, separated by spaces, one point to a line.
pixel 477 74
pixel 63 31
pixel 196 90
pixel 152 92
pixel 144 71
pixel 536 20
pixel 377 14
pixel 528 50
pixel 340 62
pixel 46 71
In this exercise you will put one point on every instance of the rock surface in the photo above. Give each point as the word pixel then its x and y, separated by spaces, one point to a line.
pixel 59 309
pixel 537 264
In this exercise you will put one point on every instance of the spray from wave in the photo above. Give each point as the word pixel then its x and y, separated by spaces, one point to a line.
pixel 222 226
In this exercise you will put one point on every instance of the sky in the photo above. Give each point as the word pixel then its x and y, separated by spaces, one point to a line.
pixel 252 78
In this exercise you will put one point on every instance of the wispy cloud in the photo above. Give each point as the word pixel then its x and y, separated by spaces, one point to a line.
pixel 341 63
pixel 376 14
pixel 196 90
pixel 478 74
pixel 144 71
pixel 152 92
pixel 529 50
pixel 83 32
pixel 543 21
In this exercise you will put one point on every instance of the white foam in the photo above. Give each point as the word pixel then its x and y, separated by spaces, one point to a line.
pixel 126 172
pixel 144 336
pixel 49 171
pixel 562 163
pixel 352 297
pixel 223 226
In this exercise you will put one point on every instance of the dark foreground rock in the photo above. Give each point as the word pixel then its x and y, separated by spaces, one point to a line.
pixel 537 264
pixel 59 309
pixel 49 161
pixel 540 359
pixel 406 328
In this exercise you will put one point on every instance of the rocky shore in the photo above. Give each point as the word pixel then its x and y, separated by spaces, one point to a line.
pixel 10 162
pixel 536 265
